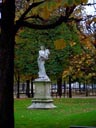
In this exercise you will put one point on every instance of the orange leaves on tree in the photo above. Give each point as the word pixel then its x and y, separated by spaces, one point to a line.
pixel 84 1
pixel 27 77
pixel 88 43
pixel 72 43
pixel 50 6
pixel 94 43
pixel 59 44
pixel 77 1
pixel 44 13
pixel 66 73
pixel 45 9
pixel 80 1
pixel 72 2
pixel 94 19
pixel 80 66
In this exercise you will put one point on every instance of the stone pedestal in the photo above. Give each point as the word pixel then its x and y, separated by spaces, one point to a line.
pixel 42 98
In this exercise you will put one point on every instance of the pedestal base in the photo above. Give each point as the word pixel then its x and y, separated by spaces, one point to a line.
pixel 42 104
pixel 42 98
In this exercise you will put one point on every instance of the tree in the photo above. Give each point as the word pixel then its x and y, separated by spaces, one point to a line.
pixel 7 41
pixel 7 64
pixel 87 26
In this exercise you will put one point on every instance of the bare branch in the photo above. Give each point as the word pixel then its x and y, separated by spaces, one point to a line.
pixel 30 7
pixel 47 26
pixel 37 16
pixel 19 22
pixel 89 4
pixel 69 10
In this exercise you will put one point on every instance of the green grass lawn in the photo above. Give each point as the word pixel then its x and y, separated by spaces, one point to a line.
pixel 69 112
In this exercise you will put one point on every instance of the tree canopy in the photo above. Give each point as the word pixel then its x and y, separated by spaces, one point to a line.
pixel 45 11
pixel 64 38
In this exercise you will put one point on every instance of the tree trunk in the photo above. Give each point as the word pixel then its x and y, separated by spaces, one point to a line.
pixel 59 84
pixel 18 86
pixel 70 89
pixel 79 87
pixel 28 88
pixel 64 88
pixel 7 65
pixel 32 90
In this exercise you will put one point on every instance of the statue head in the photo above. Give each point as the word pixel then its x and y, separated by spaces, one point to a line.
pixel 42 47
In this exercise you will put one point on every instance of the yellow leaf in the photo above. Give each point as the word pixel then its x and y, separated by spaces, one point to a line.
pixel 44 13
pixel 65 73
pixel 84 1
pixel 34 11
pixel 94 19
pixel 59 44
pixel 72 44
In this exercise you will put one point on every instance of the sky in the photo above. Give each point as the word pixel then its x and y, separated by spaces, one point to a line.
pixel 90 9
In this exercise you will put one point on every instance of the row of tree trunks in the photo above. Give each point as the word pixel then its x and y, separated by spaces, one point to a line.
pixel 29 93
pixel 59 87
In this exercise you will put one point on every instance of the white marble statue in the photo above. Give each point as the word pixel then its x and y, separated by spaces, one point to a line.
pixel 43 56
